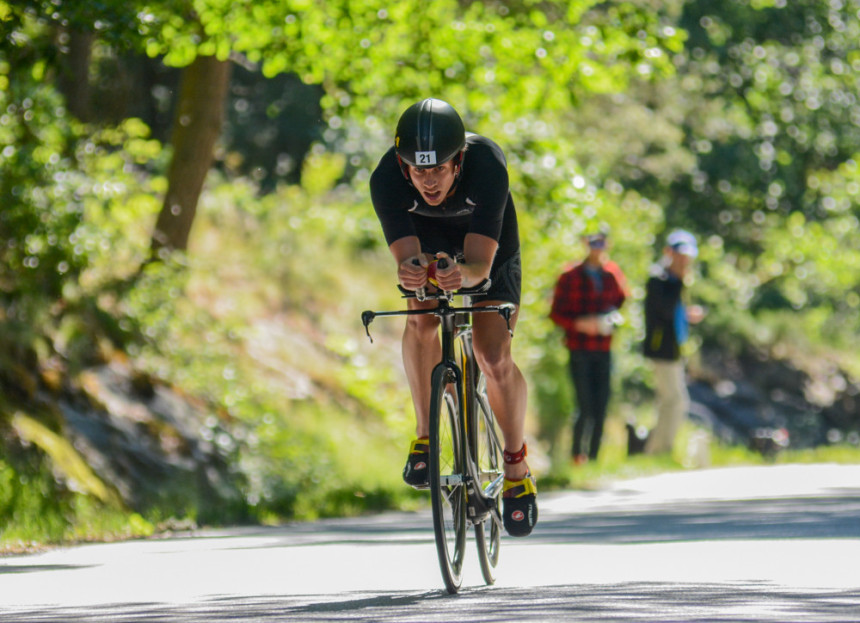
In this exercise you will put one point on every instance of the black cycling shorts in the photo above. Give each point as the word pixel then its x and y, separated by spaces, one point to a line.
pixel 506 281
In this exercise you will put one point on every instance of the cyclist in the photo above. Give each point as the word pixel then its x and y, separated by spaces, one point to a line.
pixel 442 193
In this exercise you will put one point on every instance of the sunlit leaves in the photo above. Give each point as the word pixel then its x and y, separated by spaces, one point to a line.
pixel 780 120
pixel 566 46
pixel 75 204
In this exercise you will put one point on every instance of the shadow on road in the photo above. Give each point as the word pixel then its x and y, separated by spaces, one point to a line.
pixel 38 568
pixel 615 602
pixel 832 519
pixel 782 518
pixel 778 518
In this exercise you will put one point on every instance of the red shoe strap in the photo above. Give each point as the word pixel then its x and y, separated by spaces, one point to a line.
pixel 512 458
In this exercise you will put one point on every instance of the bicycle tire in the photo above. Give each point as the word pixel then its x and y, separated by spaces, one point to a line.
pixel 486 449
pixel 447 479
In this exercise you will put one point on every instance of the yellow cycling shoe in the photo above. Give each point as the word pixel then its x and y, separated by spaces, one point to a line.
pixel 416 472
pixel 519 498
pixel 519 505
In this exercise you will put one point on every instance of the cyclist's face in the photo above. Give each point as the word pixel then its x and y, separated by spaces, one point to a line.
pixel 434 183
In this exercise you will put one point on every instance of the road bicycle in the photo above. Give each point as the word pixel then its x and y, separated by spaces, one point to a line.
pixel 466 476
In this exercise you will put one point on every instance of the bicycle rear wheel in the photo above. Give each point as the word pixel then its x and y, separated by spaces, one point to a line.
pixel 447 482
pixel 488 459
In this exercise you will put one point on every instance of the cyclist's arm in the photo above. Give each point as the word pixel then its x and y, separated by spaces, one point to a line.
pixel 478 254
pixel 405 250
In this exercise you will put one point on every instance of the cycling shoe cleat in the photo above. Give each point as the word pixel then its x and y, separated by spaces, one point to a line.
pixel 519 502
pixel 417 472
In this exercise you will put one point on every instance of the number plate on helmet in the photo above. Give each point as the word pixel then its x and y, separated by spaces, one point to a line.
pixel 423 158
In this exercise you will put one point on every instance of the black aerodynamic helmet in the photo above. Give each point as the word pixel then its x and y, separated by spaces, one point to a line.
pixel 429 133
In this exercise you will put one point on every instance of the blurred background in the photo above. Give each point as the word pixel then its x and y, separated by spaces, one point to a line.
pixel 187 240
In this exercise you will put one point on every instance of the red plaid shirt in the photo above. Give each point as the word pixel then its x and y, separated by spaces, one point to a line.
pixel 576 295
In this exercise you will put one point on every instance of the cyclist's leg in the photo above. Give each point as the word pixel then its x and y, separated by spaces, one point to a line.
pixel 421 352
pixel 506 385
pixel 506 392
pixel 421 349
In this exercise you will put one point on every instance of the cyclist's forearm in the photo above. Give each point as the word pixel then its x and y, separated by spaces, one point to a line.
pixel 474 273
pixel 405 248
pixel 478 252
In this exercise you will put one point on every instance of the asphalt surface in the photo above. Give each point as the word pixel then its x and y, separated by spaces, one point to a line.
pixel 778 543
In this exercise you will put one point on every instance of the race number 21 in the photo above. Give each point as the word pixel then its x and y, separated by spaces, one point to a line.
pixel 425 158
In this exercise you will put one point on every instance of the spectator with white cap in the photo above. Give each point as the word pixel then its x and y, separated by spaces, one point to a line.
pixel 667 322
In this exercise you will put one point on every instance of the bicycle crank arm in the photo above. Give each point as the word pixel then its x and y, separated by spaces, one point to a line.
pixel 492 489
pixel 483 503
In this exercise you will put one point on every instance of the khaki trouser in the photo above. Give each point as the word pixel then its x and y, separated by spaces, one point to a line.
pixel 672 402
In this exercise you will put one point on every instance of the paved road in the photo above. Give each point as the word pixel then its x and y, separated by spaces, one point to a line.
pixel 778 543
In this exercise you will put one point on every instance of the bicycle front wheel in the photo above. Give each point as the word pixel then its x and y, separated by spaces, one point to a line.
pixel 447 481
pixel 488 458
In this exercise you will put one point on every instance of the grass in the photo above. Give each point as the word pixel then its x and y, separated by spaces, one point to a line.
pixel 613 463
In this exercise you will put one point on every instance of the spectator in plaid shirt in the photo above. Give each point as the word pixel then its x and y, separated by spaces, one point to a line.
pixel 585 305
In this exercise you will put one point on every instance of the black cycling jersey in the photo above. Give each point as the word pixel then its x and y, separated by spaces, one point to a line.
pixel 481 204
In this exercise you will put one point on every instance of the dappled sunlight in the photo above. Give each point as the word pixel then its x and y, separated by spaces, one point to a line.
pixel 633 552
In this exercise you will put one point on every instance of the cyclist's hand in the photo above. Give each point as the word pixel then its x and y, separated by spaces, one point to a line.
pixel 447 273
pixel 412 273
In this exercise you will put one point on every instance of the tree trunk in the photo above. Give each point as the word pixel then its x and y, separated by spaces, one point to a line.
pixel 196 127
pixel 74 79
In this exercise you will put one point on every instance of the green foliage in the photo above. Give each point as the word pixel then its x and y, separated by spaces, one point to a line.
pixel 72 199
pixel 484 57
pixel 277 349
pixel 33 509
pixel 38 508
pixel 41 214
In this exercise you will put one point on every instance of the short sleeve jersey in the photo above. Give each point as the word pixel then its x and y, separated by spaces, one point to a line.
pixel 481 203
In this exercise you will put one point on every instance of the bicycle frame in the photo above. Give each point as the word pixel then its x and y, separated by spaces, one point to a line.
pixel 473 425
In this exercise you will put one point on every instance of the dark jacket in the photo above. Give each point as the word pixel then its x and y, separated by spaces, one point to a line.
pixel 662 296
